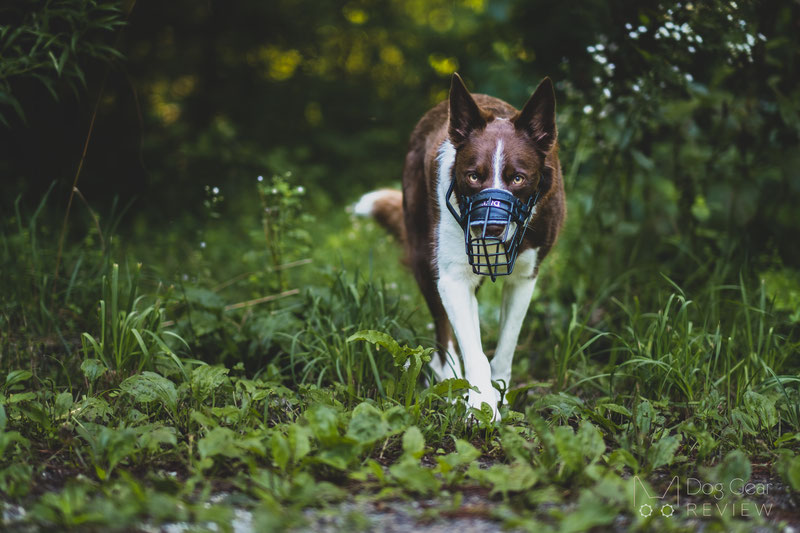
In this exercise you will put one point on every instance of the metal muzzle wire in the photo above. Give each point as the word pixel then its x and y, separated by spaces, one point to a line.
pixel 491 252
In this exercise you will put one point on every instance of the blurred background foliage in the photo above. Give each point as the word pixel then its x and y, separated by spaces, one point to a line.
pixel 678 125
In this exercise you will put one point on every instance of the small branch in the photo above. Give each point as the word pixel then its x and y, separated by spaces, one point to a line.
pixel 75 182
pixel 249 303
pixel 262 300
pixel 243 275
pixel 94 217
pixel 292 264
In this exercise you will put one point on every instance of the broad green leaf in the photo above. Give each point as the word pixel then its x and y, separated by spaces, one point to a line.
pixel 591 512
pixel 453 385
pixel 17 376
pixel 623 457
pixel 614 408
pixel 762 408
pixel 516 477
pixel 206 379
pixel 324 423
pixel 280 450
pixel 218 441
pixel 414 477
pixel 149 387
pixel 465 453
pixel 21 397
pixel 793 472
pixel 93 369
pixel 63 403
pixel 734 466
pixel 299 441
pixel 591 441
pixel 662 452
pixel 413 442
pixel 367 424
pixel 153 439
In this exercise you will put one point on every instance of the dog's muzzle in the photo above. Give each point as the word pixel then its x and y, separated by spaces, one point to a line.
pixel 494 223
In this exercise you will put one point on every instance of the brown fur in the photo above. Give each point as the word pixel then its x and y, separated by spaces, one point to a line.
pixel 471 123
pixel 388 212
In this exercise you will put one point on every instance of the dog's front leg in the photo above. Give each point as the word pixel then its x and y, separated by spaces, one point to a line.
pixel 458 297
pixel 517 293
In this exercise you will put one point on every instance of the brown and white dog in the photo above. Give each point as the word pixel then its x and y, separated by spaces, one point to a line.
pixel 486 146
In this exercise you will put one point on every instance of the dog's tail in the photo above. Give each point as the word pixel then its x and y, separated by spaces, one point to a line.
pixel 386 207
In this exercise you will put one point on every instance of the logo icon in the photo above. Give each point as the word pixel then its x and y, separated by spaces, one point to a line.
pixel 648 503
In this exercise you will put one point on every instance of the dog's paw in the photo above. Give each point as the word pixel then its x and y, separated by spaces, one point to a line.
pixel 477 400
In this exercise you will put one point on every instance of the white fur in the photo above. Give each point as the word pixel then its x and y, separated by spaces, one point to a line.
pixel 450 368
pixel 498 162
pixel 366 204
pixel 456 284
pixel 517 293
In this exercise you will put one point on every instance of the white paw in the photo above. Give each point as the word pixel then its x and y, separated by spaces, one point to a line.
pixel 492 397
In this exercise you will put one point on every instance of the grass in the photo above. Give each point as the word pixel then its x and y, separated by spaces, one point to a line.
pixel 183 401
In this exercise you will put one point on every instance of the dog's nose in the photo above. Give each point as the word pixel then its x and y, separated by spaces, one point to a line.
pixel 495 230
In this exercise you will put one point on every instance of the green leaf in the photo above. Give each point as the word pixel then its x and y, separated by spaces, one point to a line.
pixel 280 450
pixel 153 440
pixel 516 477
pixel 204 298
pixel 93 368
pixel 367 424
pixel 623 457
pixel 299 441
pixel 590 512
pixel 662 452
pixel 218 441
pixel 63 403
pixel 762 407
pixel 793 473
pixel 324 423
pixel 149 387
pixel 413 477
pixel 413 442
pixel 733 466
pixel 465 453
pixel 16 377
pixel 206 380
pixel 450 385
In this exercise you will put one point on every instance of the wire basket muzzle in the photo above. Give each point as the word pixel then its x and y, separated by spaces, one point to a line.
pixel 494 224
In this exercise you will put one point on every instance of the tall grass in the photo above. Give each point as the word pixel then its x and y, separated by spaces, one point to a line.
pixel 132 337
pixel 319 352
pixel 686 350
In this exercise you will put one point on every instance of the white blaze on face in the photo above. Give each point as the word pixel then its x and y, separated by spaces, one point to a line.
pixel 498 161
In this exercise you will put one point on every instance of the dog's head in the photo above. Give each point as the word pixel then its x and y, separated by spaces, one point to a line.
pixel 500 153
pixel 499 173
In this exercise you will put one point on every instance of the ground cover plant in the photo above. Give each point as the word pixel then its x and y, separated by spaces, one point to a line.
pixel 232 351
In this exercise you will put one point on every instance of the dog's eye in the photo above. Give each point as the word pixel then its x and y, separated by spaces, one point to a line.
pixel 473 177
pixel 517 180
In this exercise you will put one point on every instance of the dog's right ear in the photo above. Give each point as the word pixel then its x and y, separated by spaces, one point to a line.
pixel 465 117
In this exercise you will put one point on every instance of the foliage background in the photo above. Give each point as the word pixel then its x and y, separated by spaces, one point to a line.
pixel 228 138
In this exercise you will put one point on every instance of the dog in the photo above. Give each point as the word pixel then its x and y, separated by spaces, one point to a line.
pixel 483 196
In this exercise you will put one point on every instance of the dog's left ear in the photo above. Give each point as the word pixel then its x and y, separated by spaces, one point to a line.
pixel 538 117
pixel 465 116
